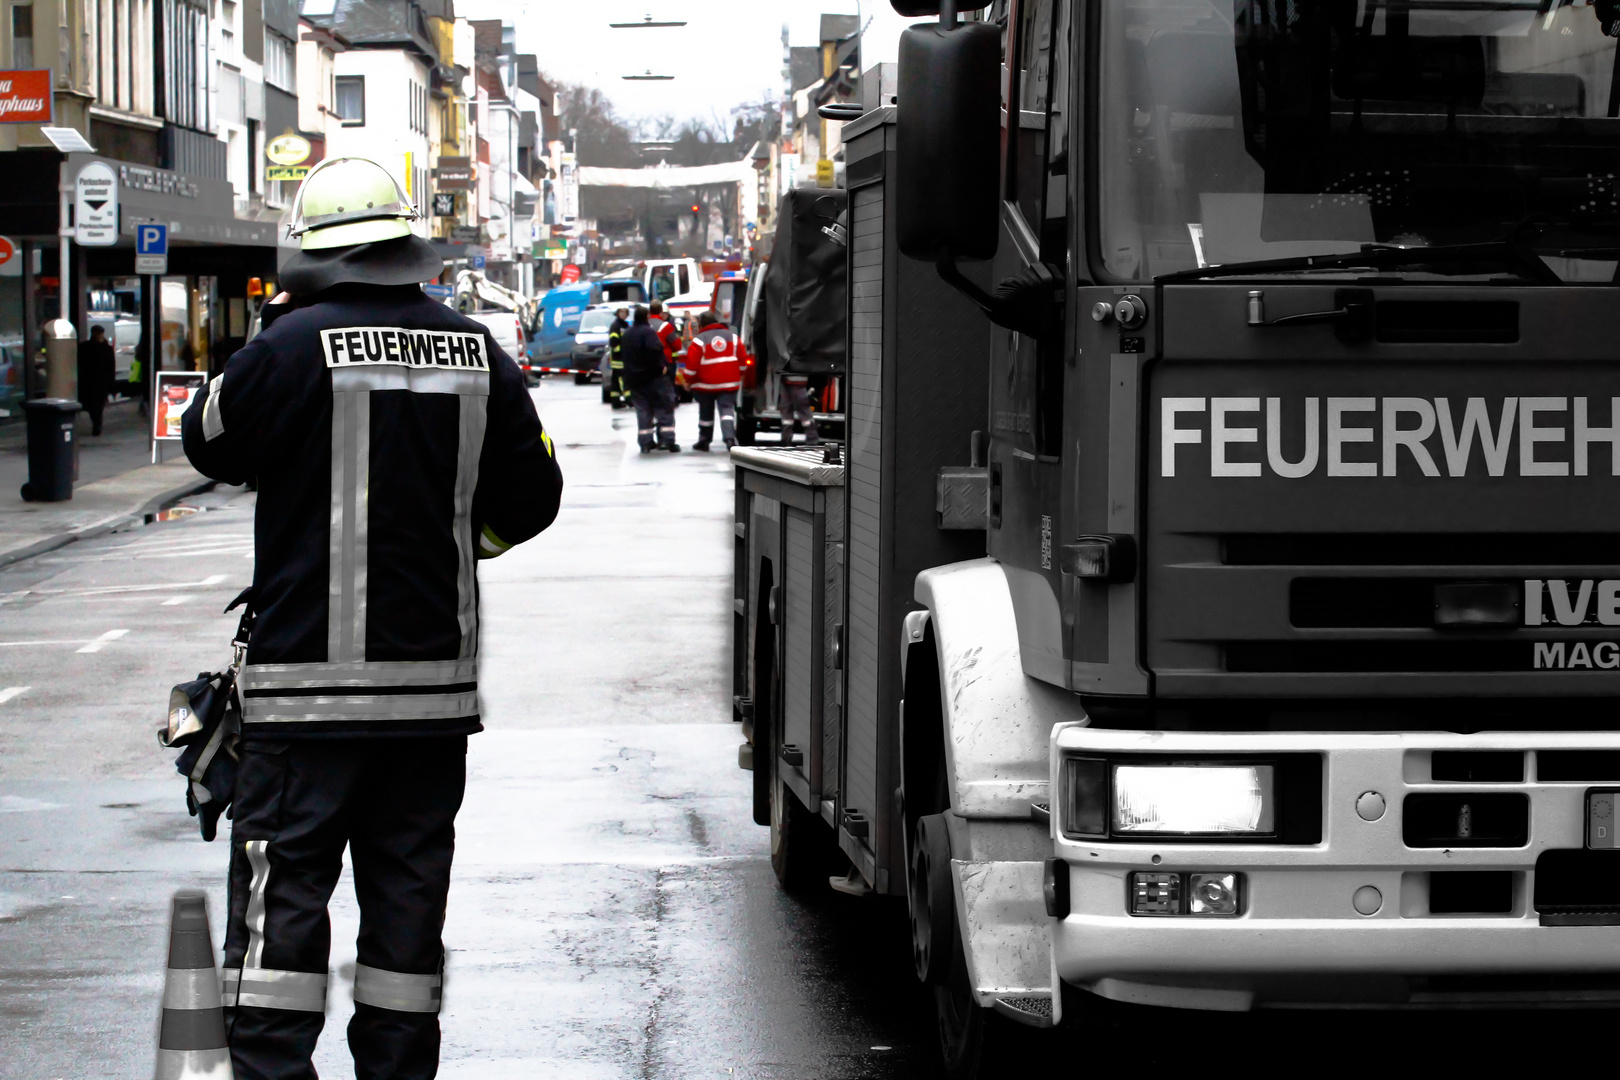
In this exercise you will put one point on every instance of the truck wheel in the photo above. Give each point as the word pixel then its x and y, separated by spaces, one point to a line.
pixel 582 378
pixel 931 901
pixel 746 427
pixel 974 1042
pixel 801 843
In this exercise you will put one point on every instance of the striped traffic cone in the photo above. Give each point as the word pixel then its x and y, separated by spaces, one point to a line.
pixel 191 1042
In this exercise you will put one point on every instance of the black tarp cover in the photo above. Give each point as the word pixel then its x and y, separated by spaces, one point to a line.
pixel 806 311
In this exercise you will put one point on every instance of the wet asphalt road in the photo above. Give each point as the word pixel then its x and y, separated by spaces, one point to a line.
pixel 613 913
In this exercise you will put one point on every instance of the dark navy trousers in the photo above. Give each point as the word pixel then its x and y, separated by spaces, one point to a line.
pixel 392 802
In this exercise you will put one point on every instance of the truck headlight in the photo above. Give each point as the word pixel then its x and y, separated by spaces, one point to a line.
pixel 1192 800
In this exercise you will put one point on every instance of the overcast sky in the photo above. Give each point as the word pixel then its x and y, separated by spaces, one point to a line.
pixel 729 52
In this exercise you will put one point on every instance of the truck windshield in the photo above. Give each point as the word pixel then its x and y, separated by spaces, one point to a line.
pixel 1243 130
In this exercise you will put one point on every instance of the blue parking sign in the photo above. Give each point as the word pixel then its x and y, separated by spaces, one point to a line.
pixel 151 239
pixel 478 262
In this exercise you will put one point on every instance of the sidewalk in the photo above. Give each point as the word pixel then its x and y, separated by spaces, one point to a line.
pixel 117 483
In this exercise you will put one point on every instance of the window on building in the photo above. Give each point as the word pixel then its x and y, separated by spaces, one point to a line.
pixel 183 63
pixel 278 62
pixel 22 35
pixel 663 283
pixel 351 99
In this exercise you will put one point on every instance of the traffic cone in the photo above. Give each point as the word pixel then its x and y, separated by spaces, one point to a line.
pixel 191 1041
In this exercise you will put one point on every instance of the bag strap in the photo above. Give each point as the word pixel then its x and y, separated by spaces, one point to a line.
pixel 244 628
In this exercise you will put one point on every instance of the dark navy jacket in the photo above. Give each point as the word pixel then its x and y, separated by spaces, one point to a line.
pixel 394 444
pixel 644 357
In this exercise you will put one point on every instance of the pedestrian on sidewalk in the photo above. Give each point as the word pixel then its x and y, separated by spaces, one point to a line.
pixel 394 443
pixel 138 370
pixel 96 368
pixel 796 404
pixel 647 371
pixel 715 376
pixel 618 392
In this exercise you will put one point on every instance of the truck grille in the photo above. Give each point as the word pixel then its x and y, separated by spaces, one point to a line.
pixel 1379 578
pixel 1420 549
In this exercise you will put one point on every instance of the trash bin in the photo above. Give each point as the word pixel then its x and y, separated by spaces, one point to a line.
pixel 50 449
pixel 61 360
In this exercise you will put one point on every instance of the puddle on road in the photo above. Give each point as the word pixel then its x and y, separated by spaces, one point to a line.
pixel 175 513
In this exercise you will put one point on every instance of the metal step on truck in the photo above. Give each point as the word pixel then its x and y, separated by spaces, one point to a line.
pixel 1251 638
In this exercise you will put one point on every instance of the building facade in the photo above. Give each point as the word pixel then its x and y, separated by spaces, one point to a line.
pixel 155 91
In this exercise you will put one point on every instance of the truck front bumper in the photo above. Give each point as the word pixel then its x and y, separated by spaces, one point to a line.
pixel 1346 920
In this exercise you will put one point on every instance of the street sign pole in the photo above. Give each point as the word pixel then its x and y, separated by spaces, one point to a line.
pixel 64 257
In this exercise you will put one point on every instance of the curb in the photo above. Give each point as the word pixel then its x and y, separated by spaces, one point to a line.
pixel 151 506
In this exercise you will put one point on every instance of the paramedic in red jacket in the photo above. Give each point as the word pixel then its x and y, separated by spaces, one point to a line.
pixel 664 327
pixel 714 374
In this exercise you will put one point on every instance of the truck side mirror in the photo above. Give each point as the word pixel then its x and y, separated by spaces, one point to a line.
pixel 949 141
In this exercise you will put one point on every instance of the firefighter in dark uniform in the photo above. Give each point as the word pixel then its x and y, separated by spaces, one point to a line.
pixel 394 445
pixel 618 392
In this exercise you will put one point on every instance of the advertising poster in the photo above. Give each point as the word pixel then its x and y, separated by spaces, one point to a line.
pixel 25 97
pixel 176 390
pixel 568 182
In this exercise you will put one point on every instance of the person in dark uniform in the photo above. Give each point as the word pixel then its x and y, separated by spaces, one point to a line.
pixel 96 370
pixel 647 371
pixel 797 415
pixel 394 445
pixel 618 393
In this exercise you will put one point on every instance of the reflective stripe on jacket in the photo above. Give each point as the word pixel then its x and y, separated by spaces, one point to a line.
pixel 668 336
pixel 712 359
pixel 394 444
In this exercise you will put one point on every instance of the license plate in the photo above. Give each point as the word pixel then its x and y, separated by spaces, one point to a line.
pixel 1600 818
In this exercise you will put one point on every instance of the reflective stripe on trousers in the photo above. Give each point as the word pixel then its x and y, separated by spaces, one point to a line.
pixel 398 991
pixel 268 988
pixel 252 984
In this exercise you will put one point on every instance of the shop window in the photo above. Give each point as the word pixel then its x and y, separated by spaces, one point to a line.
pixel 351 99
pixel 22 36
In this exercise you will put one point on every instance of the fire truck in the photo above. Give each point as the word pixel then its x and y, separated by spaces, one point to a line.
pixel 1249 637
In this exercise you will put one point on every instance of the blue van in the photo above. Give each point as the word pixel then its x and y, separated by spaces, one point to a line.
pixel 552 343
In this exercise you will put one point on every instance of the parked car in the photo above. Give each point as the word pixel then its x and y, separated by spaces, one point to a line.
pixel 506 327
pixel 590 343
pixel 12 359
pixel 562 308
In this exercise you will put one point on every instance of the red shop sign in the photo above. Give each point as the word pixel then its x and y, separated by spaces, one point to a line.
pixel 25 97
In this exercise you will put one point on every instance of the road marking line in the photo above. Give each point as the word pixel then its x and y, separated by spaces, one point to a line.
pixel 98 643
pixel 53 641
pixel 174 601
pixel 107 590
pixel 10 692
